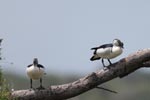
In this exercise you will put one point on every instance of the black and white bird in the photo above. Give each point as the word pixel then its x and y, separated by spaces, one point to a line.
pixel 107 51
pixel 35 71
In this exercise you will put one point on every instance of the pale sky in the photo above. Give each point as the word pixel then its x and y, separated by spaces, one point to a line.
pixel 60 33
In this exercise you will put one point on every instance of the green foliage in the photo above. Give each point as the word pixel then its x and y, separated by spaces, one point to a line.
pixel 4 90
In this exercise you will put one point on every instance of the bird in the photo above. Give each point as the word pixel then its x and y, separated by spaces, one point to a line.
pixel 107 51
pixel 35 71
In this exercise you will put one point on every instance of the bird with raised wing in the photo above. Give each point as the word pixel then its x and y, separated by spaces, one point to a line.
pixel 107 51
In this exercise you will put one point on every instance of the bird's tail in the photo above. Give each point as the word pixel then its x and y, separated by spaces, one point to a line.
pixel 95 57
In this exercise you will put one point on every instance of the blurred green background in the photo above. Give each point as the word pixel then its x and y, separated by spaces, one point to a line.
pixel 133 87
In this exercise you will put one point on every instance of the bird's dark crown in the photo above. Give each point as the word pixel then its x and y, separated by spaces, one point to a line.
pixel 35 61
pixel 119 43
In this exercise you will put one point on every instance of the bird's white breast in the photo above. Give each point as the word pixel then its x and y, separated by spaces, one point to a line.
pixel 34 72
pixel 109 53
pixel 116 51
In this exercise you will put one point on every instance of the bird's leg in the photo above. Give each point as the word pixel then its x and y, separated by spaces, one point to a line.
pixel 41 87
pixel 103 63
pixel 31 84
pixel 105 68
pixel 40 82
pixel 109 62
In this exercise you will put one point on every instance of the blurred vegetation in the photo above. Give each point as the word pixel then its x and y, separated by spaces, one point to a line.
pixel 4 87
pixel 133 87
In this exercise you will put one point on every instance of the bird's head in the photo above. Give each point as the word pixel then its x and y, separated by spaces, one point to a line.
pixel 117 42
pixel 35 61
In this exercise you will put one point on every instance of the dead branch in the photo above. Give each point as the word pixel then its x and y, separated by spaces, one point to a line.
pixel 120 69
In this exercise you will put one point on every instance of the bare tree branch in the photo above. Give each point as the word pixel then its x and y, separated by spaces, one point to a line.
pixel 120 69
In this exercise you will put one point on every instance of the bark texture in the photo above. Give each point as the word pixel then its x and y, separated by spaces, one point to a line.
pixel 120 69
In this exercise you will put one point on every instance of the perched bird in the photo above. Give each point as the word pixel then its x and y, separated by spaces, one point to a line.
pixel 107 51
pixel 35 71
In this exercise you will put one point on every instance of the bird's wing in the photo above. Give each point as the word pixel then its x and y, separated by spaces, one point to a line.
pixel 94 48
pixel 102 46
pixel 29 65
pixel 40 66
pixel 106 45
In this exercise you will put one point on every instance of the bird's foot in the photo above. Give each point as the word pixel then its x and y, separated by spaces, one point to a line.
pixel 32 89
pixel 110 64
pixel 40 88
pixel 105 68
